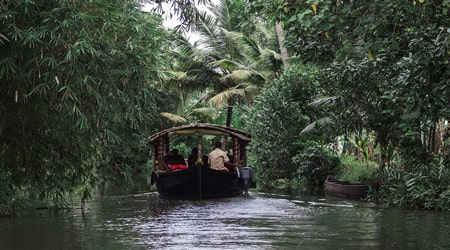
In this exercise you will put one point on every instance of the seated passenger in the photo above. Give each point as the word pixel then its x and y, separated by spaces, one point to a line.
pixel 193 157
pixel 218 159
pixel 174 160
pixel 205 160
pixel 231 166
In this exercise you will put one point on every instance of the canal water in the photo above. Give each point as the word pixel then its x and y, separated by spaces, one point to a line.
pixel 262 221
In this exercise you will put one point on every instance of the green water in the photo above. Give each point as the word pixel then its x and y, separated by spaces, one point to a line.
pixel 144 221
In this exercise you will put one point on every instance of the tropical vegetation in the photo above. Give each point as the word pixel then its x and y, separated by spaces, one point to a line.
pixel 356 89
pixel 230 62
pixel 76 96
pixel 385 72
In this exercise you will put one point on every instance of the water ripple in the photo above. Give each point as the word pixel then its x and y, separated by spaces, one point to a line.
pixel 263 221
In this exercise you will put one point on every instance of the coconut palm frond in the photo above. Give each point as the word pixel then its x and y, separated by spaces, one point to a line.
pixel 312 126
pixel 206 96
pixel 173 117
pixel 264 76
pixel 210 112
pixel 237 76
pixel 225 64
pixel 177 80
pixel 237 39
pixel 268 54
pixel 233 35
pixel 206 30
pixel 260 76
pixel 250 88
pixel 268 64
pixel 166 75
pixel 219 100
pixel 323 101
pixel 170 75
pixel 224 97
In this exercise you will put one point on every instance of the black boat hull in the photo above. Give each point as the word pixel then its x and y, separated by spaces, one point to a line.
pixel 198 182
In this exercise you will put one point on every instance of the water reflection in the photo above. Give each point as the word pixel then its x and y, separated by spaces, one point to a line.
pixel 263 221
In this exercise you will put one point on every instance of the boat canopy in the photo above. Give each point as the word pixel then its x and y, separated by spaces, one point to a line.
pixel 202 129
pixel 160 141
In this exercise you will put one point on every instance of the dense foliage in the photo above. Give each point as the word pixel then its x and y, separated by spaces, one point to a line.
pixel 425 186
pixel 389 66
pixel 76 95
pixel 315 163
pixel 277 119
pixel 386 70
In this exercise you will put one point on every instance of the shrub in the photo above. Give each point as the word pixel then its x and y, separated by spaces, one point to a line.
pixel 357 171
pixel 315 163
pixel 426 187
pixel 276 120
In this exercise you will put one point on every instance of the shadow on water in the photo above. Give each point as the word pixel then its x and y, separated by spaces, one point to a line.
pixel 263 221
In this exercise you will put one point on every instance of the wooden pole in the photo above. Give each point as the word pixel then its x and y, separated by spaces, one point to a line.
pixel 236 151
pixel 161 149
pixel 199 149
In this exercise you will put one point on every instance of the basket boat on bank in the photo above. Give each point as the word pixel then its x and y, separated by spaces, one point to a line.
pixel 345 189
pixel 198 180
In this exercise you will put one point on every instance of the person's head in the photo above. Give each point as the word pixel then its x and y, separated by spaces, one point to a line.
pixel 218 144
pixel 194 151
pixel 174 151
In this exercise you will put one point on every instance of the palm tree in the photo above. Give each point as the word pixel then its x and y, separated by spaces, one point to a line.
pixel 229 63
pixel 188 77
pixel 228 36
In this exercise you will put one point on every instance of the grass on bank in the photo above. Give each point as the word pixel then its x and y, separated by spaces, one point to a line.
pixel 355 170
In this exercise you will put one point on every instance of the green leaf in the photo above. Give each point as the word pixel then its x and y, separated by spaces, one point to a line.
pixel 410 116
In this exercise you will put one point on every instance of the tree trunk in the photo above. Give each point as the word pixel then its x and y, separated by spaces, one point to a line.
pixel 228 124
pixel 229 115
pixel 283 50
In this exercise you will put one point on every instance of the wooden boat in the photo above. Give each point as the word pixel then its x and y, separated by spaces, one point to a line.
pixel 345 189
pixel 198 180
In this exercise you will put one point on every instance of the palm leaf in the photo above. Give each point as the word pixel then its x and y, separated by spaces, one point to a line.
pixel 324 101
pixel 225 97
pixel 210 112
pixel 173 117
pixel 237 76
pixel 225 64
pixel 312 126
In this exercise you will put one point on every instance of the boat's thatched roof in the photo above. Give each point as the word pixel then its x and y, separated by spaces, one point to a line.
pixel 201 128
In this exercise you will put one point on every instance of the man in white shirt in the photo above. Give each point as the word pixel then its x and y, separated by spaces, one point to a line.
pixel 218 159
